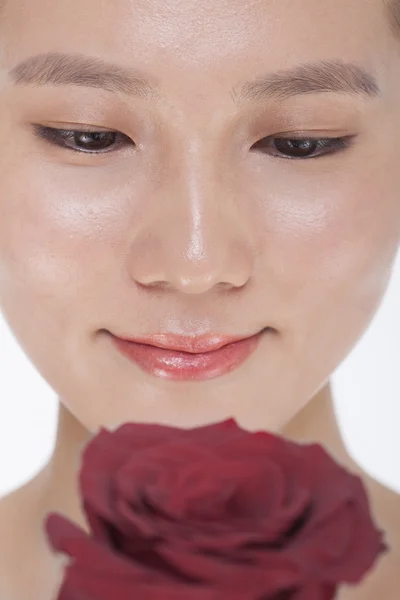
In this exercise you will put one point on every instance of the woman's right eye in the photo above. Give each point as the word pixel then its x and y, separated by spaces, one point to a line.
pixel 89 142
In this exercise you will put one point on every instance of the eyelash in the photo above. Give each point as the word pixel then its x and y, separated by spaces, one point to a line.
pixel 61 137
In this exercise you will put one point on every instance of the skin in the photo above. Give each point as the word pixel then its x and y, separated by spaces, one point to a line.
pixel 194 228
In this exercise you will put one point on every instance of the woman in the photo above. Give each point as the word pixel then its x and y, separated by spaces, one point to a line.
pixel 202 170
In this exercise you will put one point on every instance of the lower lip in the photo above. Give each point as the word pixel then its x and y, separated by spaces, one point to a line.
pixel 183 366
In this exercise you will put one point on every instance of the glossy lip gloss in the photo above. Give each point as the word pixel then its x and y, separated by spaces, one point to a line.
pixel 176 364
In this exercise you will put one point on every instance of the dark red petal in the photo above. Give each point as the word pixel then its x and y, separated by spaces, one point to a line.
pixel 66 537
pixel 315 591
pixel 81 585
pixel 273 573
pixel 341 543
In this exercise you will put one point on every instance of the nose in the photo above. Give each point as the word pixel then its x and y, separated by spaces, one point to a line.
pixel 194 236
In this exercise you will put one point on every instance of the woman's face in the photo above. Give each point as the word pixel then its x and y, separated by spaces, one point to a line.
pixel 194 218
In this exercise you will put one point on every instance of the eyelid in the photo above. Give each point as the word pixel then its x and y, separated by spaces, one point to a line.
pixel 54 135
pixel 334 145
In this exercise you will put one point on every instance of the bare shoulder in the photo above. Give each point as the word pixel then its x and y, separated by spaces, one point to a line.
pixel 17 546
pixel 8 549
pixel 23 546
pixel 8 513
pixel 12 511
pixel 383 580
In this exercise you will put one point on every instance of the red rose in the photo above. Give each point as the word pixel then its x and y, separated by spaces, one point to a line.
pixel 213 513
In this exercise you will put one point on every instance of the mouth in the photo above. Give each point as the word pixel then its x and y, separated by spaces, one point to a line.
pixel 183 358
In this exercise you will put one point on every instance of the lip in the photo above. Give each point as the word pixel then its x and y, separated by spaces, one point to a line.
pixel 183 358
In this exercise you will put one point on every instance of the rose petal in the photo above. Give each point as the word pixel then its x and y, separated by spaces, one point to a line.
pixel 272 574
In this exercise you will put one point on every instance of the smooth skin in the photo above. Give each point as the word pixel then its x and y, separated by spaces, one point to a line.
pixel 197 217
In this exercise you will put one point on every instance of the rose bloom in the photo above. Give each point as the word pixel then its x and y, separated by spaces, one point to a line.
pixel 196 168
pixel 214 512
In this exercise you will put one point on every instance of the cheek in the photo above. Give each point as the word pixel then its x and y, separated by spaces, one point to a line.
pixel 332 245
pixel 51 244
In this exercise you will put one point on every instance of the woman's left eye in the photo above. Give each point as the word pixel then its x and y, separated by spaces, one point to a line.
pixel 90 142
pixel 302 148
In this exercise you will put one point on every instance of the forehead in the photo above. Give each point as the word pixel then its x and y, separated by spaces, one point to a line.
pixel 186 38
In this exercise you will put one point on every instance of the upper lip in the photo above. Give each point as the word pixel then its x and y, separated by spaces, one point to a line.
pixel 191 344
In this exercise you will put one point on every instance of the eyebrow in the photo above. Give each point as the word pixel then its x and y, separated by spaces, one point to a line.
pixel 57 68
pixel 333 76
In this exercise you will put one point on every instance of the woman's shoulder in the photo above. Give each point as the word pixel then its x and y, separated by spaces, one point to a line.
pixel 11 515
pixel 383 579
pixel 17 548
pixel 8 513
pixel 7 543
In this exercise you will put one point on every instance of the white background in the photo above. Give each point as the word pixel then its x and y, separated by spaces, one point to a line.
pixel 366 388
